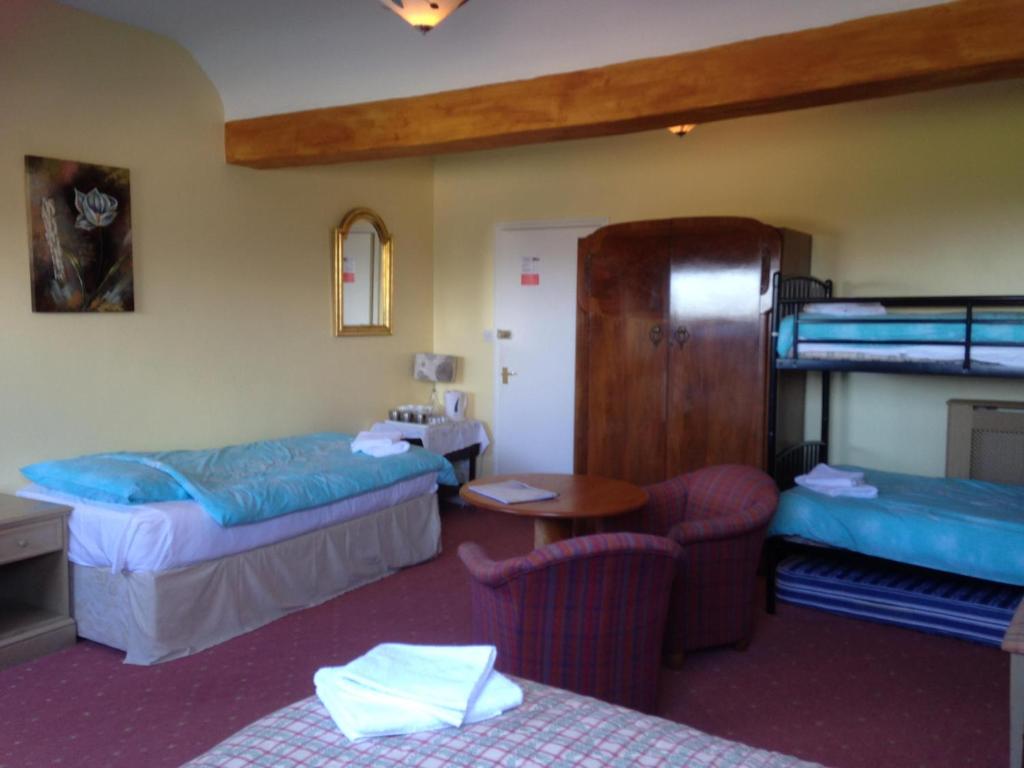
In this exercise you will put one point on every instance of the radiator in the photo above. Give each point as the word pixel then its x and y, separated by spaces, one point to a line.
pixel 985 440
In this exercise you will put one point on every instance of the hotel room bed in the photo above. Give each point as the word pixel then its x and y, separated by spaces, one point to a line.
pixel 967 527
pixel 163 579
pixel 552 728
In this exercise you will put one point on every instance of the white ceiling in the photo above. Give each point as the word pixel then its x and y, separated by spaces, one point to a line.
pixel 272 56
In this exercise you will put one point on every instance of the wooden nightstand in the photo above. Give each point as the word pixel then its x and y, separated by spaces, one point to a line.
pixel 35 610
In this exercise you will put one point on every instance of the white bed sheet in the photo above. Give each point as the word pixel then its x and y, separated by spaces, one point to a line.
pixel 1009 357
pixel 174 534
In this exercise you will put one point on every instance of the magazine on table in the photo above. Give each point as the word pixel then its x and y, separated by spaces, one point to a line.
pixel 513 492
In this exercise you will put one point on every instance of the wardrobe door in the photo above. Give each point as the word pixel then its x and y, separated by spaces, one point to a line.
pixel 717 366
pixel 622 352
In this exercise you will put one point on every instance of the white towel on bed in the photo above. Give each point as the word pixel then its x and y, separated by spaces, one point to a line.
pixel 837 482
pixel 378 444
pixel 824 475
pixel 377 451
pixel 362 716
pixel 397 688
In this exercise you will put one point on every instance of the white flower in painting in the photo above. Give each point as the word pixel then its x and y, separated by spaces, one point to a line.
pixel 94 209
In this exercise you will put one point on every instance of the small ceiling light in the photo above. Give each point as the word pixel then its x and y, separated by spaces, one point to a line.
pixel 682 130
pixel 424 14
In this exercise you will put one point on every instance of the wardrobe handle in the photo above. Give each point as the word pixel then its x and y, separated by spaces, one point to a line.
pixel 681 335
pixel 655 335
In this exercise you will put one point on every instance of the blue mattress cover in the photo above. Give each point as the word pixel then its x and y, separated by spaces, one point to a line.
pixel 961 526
pixel 910 328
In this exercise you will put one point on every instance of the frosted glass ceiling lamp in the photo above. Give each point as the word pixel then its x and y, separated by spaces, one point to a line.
pixel 424 14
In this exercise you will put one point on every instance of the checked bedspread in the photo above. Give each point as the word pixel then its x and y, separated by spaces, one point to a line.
pixel 551 728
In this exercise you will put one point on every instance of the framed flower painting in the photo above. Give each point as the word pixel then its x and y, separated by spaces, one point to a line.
pixel 80 233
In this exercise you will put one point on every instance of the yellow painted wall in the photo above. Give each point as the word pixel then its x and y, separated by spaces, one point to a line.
pixel 231 338
pixel 918 194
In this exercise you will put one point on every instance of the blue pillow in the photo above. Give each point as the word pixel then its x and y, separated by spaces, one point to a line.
pixel 103 478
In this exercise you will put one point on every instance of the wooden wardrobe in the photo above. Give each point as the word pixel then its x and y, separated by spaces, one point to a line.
pixel 672 344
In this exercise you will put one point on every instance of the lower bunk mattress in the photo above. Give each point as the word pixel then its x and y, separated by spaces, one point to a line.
pixel 967 527
pixel 552 727
pixel 890 593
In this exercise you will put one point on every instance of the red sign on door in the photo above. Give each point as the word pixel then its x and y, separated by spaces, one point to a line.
pixel 530 274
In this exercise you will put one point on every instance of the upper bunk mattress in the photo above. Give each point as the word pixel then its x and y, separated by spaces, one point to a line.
pixel 906 337
pixel 968 527
pixel 165 535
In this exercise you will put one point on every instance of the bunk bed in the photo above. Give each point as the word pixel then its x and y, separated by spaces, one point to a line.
pixel 947 525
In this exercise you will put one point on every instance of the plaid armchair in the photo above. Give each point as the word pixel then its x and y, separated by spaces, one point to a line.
pixel 586 614
pixel 719 516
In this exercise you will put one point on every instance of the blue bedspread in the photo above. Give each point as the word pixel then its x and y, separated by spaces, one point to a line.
pixel 907 327
pixel 960 526
pixel 247 483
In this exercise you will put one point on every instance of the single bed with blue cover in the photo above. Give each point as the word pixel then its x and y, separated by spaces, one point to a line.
pixel 172 552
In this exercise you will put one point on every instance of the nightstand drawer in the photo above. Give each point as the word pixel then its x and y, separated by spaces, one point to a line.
pixel 26 541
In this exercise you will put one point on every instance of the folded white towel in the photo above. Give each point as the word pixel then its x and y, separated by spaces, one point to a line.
pixel 440 679
pixel 380 443
pixel 836 482
pixel 864 491
pixel 361 713
pixel 380 449
pixel 824 475
pixel 846 309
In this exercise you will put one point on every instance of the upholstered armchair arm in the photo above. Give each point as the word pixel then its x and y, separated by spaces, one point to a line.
pixel 482 568
pixel 493 573
pixel 714 529
pixel 666 506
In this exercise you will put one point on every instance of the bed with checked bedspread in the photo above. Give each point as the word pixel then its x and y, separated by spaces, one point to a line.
pixel 552 728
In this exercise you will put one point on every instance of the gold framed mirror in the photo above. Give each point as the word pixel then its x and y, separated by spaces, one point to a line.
pixel 362 275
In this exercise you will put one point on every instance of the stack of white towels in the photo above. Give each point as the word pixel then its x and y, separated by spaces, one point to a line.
pixel 382 443
pixel 397 689
pixel 837 482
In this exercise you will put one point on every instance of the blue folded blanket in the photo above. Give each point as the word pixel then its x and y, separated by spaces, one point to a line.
pixel 247 483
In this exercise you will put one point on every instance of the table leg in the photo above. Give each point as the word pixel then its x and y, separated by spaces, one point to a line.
pixel 547 530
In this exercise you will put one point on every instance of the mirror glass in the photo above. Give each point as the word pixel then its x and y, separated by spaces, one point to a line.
pixel 362 275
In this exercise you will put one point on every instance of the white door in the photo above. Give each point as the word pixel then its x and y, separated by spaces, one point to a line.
pixel 535 344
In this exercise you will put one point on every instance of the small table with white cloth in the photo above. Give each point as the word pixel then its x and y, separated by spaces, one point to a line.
pixel 455 440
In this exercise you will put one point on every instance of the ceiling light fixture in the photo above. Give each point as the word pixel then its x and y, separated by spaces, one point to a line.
pixel 681 130
pixel 424 14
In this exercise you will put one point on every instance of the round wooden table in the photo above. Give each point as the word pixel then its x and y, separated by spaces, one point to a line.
pixel 581 498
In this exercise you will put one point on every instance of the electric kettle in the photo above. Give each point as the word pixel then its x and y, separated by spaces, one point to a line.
pixel 455 404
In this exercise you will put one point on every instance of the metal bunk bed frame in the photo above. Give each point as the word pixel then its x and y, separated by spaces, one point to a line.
pixel 789 295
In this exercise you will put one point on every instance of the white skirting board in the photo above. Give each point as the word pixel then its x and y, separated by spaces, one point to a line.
pixel 156 616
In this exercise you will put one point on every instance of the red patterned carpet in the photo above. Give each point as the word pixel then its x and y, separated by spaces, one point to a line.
pixel 842 692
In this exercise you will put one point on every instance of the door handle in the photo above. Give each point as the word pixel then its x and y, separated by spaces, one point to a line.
pixel 681 335
pixel 505 373
pixel 655 335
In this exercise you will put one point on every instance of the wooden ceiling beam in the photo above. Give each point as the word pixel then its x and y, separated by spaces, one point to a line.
pixel 963 41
